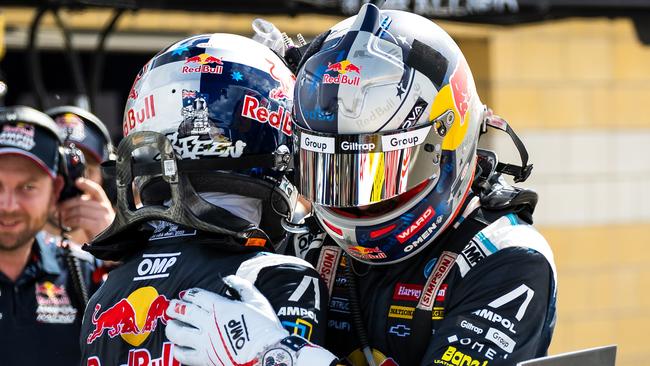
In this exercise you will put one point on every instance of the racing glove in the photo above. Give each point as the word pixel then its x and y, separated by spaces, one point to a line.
pixel 209 329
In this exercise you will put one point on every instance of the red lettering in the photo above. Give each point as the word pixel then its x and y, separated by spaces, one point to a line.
pixel 250 105
pixel 275 118
pixel 416 225
pixel 93 361
pixel 287 124
pixel 262 115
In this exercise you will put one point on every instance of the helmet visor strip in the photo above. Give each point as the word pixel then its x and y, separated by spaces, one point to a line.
pixel 340 170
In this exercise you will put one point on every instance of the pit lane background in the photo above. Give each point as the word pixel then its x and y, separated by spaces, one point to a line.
pixel 576 90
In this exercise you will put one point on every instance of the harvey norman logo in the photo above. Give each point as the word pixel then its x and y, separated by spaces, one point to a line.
pixel 155 265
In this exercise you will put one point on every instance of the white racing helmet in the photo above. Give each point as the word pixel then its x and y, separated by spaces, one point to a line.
pixel 387 125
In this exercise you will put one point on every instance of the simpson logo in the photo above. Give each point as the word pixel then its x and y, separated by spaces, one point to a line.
pixel 402 312
pixel 443 266
pixel 416 225
pixel 155 265
pixel 407 292
pixel 455 357
pixel 142 357
pixel 280 119
pixel 327 262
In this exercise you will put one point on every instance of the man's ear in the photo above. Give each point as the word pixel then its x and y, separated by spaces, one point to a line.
pixel 57 186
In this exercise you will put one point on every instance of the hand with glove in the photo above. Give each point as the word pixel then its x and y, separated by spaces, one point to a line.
pixel 209 329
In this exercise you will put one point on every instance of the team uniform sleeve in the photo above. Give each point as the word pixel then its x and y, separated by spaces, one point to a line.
pixel 295 291
pixel 500 313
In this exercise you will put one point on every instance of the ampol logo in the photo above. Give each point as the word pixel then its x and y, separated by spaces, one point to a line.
pixel 132 318
pixel 204 60
pixel 342 68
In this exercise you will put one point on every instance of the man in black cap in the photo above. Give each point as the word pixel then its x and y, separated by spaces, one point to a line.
pixel 90 212
pixel 43 286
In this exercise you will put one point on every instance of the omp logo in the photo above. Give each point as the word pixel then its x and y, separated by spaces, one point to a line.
pixel 237 332
pixel 402 312
pixel 155 265
pixel 455 357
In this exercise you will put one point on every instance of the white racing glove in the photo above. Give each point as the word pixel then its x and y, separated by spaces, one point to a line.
pixel 209 329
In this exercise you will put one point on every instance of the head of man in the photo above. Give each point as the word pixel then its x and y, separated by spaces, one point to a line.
pixel 221 104
pixel 88 133
pixel 29 185
pixel 387 123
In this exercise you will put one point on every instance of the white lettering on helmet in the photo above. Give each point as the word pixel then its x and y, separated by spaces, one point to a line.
pixel 347 146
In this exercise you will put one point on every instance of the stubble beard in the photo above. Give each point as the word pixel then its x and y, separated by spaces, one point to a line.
pixel 11 242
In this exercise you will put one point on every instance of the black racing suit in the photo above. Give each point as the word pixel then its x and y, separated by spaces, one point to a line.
pixel 482 295
pixel 123 322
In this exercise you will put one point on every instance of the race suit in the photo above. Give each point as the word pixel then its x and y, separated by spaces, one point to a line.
pixel 482 295
pixel 123 322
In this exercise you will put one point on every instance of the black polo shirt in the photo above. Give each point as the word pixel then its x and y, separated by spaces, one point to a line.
pixel 40 315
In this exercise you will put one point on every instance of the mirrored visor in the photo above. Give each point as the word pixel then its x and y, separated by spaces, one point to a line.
pixel 339 170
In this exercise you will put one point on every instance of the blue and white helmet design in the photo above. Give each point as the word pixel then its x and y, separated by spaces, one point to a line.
pixel 220 96
pixel 387 124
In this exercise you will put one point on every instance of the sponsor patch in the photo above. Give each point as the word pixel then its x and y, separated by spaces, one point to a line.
pixel 501 340
pixel 53 304
pixel 300 327
pixel 327 265
pixel 440 271
pixel 407 292
pixel 455 357
pixel 20 135
pixel 405 139
pixel 318 144
pixel 156 265
pixel 437 313
pixel 400 330
pixel 402 312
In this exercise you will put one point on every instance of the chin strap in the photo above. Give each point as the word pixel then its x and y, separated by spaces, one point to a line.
pixel 519 172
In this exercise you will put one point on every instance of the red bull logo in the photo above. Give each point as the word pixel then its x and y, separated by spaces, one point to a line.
pixel 366 253
pixel 133 318
pixel 280 119
pixel 459 89
pixel 204 62
pixel 278 94
pixel 142 357
pixel 342 68
pixel 134 118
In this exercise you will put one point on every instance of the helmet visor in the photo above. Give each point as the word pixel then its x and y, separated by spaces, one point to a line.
pixel 338 170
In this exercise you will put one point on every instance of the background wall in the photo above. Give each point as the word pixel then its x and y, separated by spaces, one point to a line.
pixel 577 92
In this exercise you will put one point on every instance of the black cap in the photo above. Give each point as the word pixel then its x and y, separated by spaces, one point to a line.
pixel 30 133
pixel 84 129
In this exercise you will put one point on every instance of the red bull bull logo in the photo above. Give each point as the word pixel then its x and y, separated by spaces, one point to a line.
pixel 366 253
pixel 460 90
pixel 133 318
pixel 342 68
pixel 204 62
pixel 278 94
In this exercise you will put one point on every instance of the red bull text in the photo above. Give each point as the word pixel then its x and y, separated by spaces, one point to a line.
pixel 204 61
pixel 342 68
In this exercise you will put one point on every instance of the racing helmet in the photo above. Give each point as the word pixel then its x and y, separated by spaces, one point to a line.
pixel 224 104
pixel 387 125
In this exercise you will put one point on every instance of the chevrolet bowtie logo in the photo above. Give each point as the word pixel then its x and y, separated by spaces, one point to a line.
pixel 400 330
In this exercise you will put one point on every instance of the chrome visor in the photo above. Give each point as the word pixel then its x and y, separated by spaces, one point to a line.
pixel 357 170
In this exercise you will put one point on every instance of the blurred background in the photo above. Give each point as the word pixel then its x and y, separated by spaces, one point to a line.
pixel 571 76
